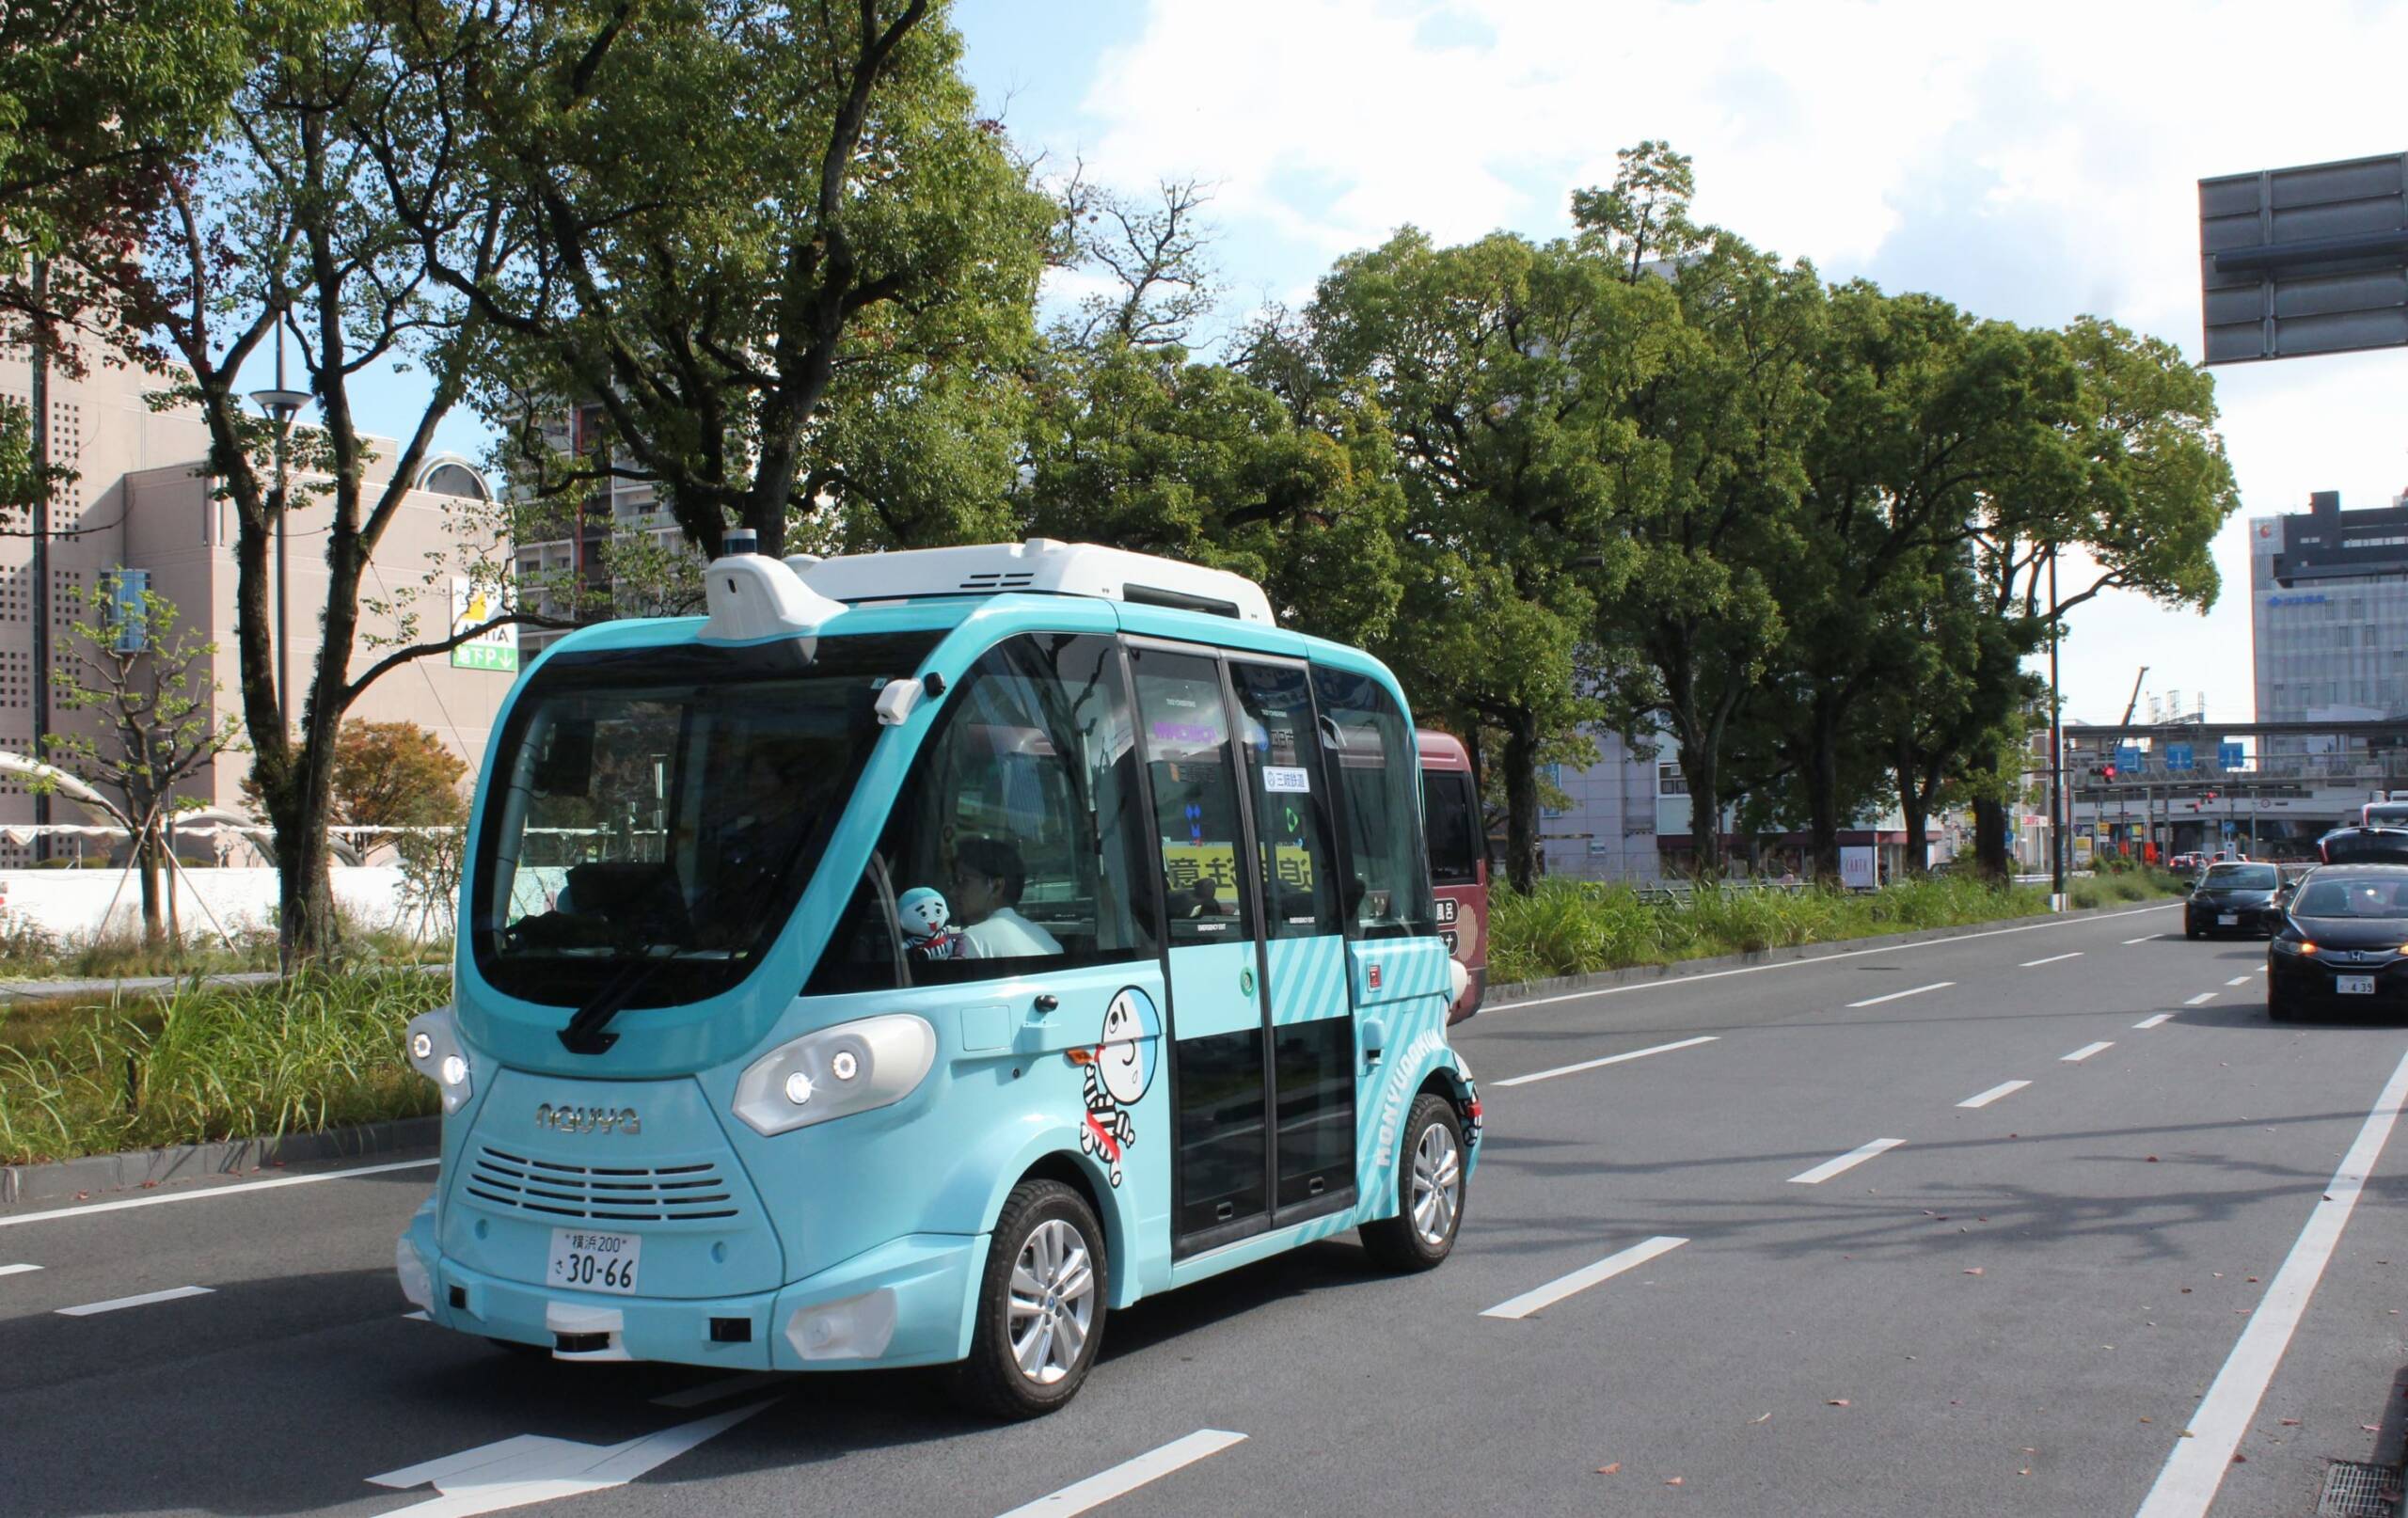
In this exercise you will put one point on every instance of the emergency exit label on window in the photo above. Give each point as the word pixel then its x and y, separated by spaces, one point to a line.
pixel 1280 778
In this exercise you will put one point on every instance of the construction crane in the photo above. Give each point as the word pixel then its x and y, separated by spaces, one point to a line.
pixel 2132 705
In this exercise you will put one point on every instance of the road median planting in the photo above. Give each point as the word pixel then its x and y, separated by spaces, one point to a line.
pixel 1578 927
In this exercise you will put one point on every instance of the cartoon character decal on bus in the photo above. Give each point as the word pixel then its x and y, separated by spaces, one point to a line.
pixel 1118 1071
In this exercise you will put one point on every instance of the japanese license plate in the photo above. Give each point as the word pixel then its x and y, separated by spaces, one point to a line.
pixel 2353 985
pixel 2227 919
pixel 594 1261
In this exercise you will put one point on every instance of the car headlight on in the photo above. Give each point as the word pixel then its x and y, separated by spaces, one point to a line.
pixel 851 1068
pixel 2294 946
pixel 435 1051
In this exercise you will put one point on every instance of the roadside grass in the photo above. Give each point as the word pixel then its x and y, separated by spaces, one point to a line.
pixel 202 1063
pixel 30 951
pixel 1573 927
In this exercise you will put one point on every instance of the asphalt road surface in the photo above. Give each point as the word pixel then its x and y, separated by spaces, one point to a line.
pixel 2045 1220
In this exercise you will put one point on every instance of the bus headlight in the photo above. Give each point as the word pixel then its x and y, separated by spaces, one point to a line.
pixel 435 1053
pixel 853 1066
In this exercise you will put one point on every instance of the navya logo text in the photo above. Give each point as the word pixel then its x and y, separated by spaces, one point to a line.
pixel 588 1119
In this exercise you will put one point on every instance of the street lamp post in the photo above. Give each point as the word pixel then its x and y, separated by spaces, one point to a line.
pixel 280 405
pixel 2056 754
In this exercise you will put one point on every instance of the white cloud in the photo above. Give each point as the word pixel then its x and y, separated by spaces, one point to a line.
pixel 2033 161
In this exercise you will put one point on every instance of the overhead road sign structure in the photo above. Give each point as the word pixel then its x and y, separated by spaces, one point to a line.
pixel 2303 261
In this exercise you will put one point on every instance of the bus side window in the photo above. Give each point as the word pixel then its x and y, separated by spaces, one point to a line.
pixel 1450 816
pixel 1375 770
pixel 1014 845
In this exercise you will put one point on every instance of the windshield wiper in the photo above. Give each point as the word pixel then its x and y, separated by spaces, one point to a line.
pixel 585 1032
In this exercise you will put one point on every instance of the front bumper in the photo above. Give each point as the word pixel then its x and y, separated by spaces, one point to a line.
pixel 2313 980
pixel 2209 919
pixel 910 1300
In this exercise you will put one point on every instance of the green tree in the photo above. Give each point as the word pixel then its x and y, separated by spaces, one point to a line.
pixel 1504 370
pixel 142 674
pixel 396 775
pixel 841 233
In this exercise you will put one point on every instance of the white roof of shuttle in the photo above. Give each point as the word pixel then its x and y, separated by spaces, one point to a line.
pixel 1041 565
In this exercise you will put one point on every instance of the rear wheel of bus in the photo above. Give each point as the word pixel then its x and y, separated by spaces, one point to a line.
pixel 1040 1305
pixel 1430 1191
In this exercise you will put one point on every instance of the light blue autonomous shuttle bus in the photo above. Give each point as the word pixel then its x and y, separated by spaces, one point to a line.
pixel 868 975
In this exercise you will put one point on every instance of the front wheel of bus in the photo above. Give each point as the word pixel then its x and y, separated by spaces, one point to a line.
pixel 1040 1305
pixel 1430 1191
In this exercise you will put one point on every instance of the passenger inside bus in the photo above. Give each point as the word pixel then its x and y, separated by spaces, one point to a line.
pixel 988 879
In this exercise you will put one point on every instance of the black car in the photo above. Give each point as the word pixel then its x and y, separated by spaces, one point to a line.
pixel 2376 844
pixel 2343 943
pixel 2234 898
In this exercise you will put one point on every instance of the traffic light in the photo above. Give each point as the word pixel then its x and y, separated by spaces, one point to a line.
pixel 2107 771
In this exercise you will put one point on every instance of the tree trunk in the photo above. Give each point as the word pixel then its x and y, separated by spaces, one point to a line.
pixel 1821 773
pixel 306 931
pixel 1911 807
pixel 1701 773
pixel 146 858
pixel 1990 839
pixel 1521 853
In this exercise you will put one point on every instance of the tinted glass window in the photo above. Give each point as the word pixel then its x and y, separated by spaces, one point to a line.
pixel 1450 816
pixel 2243 878
pixel 1379 803
pixel 1283 765
pixel 1011 849
pixel 1195 801
pixel 2352 898
pixel 656 813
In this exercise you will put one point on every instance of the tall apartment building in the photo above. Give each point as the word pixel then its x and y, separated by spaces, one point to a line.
pixel 2328 592
pixel 142 500
pixel 571 547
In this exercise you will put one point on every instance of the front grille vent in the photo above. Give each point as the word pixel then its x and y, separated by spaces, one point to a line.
pixel 672 1194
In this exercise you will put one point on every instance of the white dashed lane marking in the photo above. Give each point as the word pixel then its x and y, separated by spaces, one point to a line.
pixel 1849 1161
pixel 2153 1022
pixel 2084 1053
pixel 2142 938
pixel 171 1294
pixel 2240 980
pixel 1597 1064
pixel 2005 1089
pixel 1582 1279
pixel 1128 1475
pixel 17 1269
pixel 2201 1000
pixel 2035 964
pixel 1876 1001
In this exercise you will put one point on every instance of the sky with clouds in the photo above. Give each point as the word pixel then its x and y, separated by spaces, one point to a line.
pixel 2034 162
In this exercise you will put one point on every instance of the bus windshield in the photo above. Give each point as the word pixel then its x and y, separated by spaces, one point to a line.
pixel 2385 815
pixel 654 813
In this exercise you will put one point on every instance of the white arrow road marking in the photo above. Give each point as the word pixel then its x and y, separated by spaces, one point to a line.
pixel 1128 1475
pixel 535 1467
pixel 1849 1161
pixel 1583 1278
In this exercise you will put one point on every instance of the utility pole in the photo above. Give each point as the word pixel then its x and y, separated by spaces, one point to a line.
pixel 280 405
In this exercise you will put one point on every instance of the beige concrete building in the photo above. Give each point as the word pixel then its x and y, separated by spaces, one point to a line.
pixel 142 501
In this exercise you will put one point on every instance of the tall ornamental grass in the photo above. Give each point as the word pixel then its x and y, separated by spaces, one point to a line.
pixel 210 1062
pixel 1573 927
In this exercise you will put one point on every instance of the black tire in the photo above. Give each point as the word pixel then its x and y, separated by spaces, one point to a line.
pixel 2190 932
pixel 1398 1243
pixel 992 1381
pixel 2280 1008
pixel 530 1352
